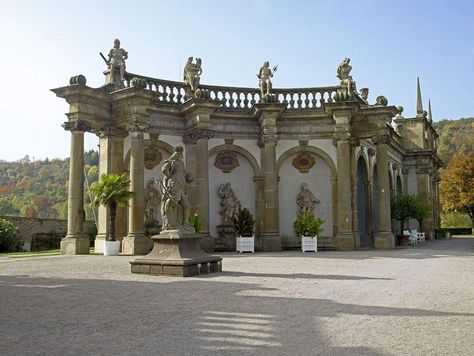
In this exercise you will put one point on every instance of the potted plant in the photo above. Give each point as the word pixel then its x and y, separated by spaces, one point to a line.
pixel 402 208
pixel 195 221
pixel 243 223
pixel 309 228
pixel 111 191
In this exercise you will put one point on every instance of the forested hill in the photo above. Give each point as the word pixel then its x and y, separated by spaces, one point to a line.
pixel 39 188
pixel 456 137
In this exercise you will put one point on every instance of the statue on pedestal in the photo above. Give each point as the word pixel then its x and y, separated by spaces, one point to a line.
pixel 343 73
pixel 152 202
pixel 229 203
pixel 175 208
pixel 265 83
pixel 192 73
pixel 117 57
pixel 306 199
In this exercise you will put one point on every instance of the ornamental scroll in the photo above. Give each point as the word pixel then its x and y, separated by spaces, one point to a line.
pixel 303 162
pixel 152 156
pixel 226 161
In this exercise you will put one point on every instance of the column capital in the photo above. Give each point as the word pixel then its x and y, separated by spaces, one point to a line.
pixel 137 127
pixel 197 134
pixel 76 126
pixel 104 132
pixel 382 139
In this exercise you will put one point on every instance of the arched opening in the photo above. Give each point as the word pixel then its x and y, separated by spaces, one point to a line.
pixel 399 186
pixel 363 221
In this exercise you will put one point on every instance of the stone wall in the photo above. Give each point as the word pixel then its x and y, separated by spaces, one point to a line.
pixel 45 234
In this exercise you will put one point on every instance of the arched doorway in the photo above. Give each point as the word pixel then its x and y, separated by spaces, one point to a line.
pixel 363 222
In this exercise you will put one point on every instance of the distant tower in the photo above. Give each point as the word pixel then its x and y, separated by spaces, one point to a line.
pixel 419 103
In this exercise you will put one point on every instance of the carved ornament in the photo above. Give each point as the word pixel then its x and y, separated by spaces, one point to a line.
pixel 76 126
pixel 197 134
pixel 137 126
pixel 381 101
pixel 303 162
pixel 111 131
pixel 380 139
pixel 226 161
pixel 152 155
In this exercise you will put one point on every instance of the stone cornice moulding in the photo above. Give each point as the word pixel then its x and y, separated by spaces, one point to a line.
pixel 104 132
pixel 76 126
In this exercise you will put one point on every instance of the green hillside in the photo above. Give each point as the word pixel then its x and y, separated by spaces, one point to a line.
pixel 39 188
pixel 456 137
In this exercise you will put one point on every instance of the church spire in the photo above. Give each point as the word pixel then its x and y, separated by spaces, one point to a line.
pixel 430 117
pixel 419 103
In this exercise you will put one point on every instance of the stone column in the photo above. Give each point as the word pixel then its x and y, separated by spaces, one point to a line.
pixel 197 141
pixel 384 238
pixel 136 243
pixel 76 242
pixel 423 180
pixel 110 161
pixel 345 234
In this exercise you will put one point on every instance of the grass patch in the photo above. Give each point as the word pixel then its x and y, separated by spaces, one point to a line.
pixel 25 254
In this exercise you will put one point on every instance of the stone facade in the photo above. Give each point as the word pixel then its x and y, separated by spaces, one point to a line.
pixel 353 156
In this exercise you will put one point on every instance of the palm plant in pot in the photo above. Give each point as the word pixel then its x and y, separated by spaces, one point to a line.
pixel 243 223
pixel 111 191
pixel 309 228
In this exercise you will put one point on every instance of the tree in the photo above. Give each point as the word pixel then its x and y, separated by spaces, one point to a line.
pixel 457 186
pixel 404 207
pixel 422 211
pixel 10 240
pixel 111 191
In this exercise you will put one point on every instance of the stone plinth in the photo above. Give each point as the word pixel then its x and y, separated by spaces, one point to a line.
pixel 226 239
pixel 176 254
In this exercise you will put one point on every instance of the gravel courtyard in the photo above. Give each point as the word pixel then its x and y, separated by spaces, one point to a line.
pixel 414 301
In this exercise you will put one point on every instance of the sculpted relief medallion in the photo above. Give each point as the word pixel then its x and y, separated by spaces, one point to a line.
pixel 226 161
pixel 304 162
pixel 152 156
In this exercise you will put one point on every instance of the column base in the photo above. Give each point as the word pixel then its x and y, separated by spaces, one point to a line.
pixel 75 245
pixel 137 244
pixel 345 242
pixel 271 242
pixel 384 240
pixel 99 243
pixel 207 242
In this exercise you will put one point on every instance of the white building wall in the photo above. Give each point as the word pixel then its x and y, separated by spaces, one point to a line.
pixel 319 183
pixel 326 145
pixel 251 146
pixel 241 180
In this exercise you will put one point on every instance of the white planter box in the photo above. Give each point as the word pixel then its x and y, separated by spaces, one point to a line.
pixel 309 243
pixel 245 244
pixel 111 248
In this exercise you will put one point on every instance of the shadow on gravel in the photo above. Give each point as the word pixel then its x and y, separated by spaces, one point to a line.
pixel 295 275
pixel 199 317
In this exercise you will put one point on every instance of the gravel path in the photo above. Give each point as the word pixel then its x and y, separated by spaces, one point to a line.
pixel 414 301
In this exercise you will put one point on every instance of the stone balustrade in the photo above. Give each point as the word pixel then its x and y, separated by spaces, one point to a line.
pixel 235 98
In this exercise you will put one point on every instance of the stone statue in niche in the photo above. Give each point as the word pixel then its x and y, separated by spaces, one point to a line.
pixel 175 206
pixel 152 203
pixel 192 74
pixel 343 73
pixel 229 203
pixel 117 57
pixel 306 199
pixel 265 83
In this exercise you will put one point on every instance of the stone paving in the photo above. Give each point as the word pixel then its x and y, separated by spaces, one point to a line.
pixel 415 301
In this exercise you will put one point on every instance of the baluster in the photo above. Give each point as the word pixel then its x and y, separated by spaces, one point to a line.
pixel 292 101
pixel 299 102
pixel 172 94
pixel 238 101
pixel 246 100
pixel 314 102
pixel 231 99
pixel 306 100
pixel 179 96
pixel 321 99
pixel 330 97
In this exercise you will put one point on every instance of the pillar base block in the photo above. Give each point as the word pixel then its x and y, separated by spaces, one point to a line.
pixel 136 244
pixel 77 244
pixel 345 241
pixel 99 243
pixel 384 240
pixel 271 242
pixel 207 242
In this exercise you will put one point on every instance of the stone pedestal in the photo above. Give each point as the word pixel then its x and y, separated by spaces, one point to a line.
pixel 77 245
pixel 226 239
pixel 176 254
pixel 135 244
pixel 384 240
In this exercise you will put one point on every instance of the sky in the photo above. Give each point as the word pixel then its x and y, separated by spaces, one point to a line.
pixel 390 43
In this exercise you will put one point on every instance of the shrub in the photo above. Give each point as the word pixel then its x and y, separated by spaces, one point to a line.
pixel 243 222
pixel 195 221
pixel 306 224
pixel 10 239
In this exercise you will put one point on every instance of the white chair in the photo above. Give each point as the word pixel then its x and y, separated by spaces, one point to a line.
pixel 412 239
pixel 421 236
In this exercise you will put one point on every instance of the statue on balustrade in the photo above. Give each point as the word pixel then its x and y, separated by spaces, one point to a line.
pixel 265 83
pixel 175 206
pixel 192 74
pixel 306 199
pixel 229 203
pixel 364 95
pixel 343 73
pixel 152 202
pixel 116 62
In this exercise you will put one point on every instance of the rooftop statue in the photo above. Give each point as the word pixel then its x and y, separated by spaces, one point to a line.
pixel 192 73
pixel 343 72
pixel 306 199
pixel 175 206
pixel 117 57
pixel 265 83
pixel 364 95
